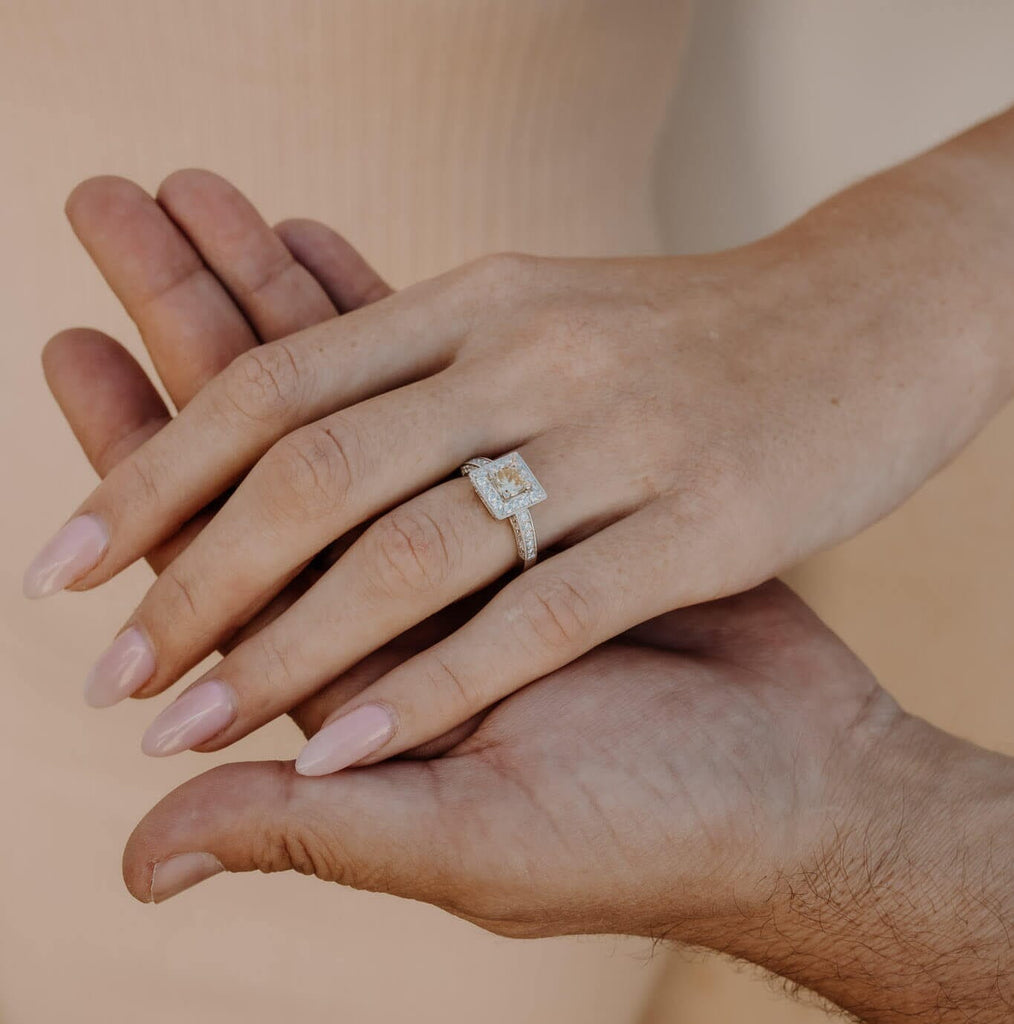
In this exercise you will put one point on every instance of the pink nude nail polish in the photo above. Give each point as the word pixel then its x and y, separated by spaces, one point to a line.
pixel 127 664
pixel 346 740
pixel 174 874
pixel 193 718
pixel 74 549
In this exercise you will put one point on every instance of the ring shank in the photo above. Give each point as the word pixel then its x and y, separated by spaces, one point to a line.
pixel 524 535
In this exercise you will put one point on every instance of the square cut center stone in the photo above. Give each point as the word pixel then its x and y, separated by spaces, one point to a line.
pixel 506 486
pixel 509 482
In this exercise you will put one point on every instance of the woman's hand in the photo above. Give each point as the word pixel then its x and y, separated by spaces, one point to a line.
pixel 192 323
pixel 698 424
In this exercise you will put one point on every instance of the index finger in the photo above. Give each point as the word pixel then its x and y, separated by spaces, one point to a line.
pixel 278 295
pixel 188 321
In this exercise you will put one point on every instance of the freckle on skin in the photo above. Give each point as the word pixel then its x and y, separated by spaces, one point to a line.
pixel 835 401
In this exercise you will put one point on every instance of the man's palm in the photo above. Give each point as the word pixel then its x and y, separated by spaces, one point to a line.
pixel 616 795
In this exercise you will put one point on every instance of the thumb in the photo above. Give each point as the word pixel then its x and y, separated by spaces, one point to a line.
pixel 373 828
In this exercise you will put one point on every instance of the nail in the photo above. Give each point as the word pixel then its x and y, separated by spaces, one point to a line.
pixel 126 665
pixel 74 549
pixel 346 740
pixel 174 874
pixel 193 718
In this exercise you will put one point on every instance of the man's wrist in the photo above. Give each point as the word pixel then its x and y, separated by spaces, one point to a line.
pixel 903 913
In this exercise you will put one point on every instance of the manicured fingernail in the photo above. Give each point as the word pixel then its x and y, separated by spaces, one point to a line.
pixel 193 718
pixel 174 874
pixel 127 664
pixel 75 549
pixel 346 740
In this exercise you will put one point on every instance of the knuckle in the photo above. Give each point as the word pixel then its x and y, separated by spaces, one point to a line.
pixel 275 667
pixel 303 849
pixel 573 346
pixel 310 471
pixel 456 692
pixel 144 483
pixel 310 846
pixel 555 614
pixel 263 384
pixel 288 851
pixel 308 850
pixel 271 275
pixel 176 597
pixel 499 275
pixel 414 552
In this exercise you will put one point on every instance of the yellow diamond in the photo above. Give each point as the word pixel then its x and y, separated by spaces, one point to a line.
pixel 509 481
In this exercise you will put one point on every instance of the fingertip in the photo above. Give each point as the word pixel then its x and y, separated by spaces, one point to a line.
pixel 100 197
pixel 370 829
pixel 103 392
pixel 71 342
pixel 307 766
pixel 297 227
pixel 138 883
pixel 347 740
pixel 57 348
pixel 337 265
pixel 305 236
pixel 83 191
pixel 70 554
pixel 220 814
pixel 180 872
pixel 185 180
pixel 163 879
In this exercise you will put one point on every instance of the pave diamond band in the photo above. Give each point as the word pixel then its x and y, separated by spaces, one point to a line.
pixel 524 535
pixel 508 489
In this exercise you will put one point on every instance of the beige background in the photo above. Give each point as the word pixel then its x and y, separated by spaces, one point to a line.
pixel 430 131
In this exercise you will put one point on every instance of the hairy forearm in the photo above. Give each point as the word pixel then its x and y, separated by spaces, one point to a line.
pixel 905 915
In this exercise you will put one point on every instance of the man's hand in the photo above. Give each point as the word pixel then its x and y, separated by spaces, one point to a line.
pixel 730 776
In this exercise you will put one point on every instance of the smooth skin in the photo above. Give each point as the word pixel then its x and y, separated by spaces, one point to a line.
pixel 139 245
pixel 728 775
pixel 192 323
pixel 699 423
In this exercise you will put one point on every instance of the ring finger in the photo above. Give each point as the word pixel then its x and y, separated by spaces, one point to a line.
pixel 412 562
pixel 310 489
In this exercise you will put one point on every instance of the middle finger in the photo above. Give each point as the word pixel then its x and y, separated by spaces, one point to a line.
pixel 258 399
pixel 419 558
pixel 311 488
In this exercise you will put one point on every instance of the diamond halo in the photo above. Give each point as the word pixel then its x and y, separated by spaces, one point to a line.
pixel 508 488
pixel 506 485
